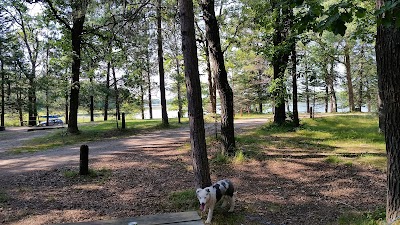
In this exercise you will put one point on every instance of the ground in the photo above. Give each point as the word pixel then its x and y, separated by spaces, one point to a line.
pixel 137 175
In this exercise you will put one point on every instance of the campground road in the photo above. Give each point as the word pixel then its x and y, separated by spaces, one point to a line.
pixel 69 155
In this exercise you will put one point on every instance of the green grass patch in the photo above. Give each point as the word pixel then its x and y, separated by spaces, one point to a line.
pixel 239 157
pixel 333 135
pixel 376 217
pixel 333 159
pixel 220 159
pixel 221 216
pixel 184 200
pixel 95 131
pixel 3 197
pixel 100 175
pixel 373 161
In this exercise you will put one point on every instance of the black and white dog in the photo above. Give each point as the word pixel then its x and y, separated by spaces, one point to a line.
pixel 209 196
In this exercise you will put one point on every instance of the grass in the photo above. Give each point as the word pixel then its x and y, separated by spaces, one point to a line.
pixel 376 217
pixel 333 159
pixel 94 175
pixel 350 139
pixel 94 131
pixel 184 200
pixel 3 197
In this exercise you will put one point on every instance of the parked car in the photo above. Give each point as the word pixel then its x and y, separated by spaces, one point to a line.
pixel 52 122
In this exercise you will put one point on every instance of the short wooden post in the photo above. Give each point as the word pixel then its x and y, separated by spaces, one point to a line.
pixel 84 160
pixel 123 120
pixel 311 112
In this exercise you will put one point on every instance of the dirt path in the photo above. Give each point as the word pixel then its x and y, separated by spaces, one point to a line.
pixel 146 169
pixel 69 155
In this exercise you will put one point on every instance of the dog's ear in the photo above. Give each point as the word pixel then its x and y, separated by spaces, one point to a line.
pixel 198 190
pixel 208 190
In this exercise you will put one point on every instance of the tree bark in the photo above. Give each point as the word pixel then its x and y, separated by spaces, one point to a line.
pixel 347 64
pixel 280 60
pixel 142 95
pixel 296 120
pixel 221 76
pixel 117 111
pixel 2 94
pixel 332 92
pixel 149 83
pixel 79 12
pixel 106 99
pixel 211 81
pixel 161 66
pixel 195 107
pixel 388 66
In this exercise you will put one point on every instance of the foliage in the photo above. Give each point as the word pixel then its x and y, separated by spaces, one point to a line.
pixel 376 217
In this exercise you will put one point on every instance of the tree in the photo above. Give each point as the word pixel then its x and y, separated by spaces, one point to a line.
pixel 221 76
pixel 388 66
pixel 195 108
pixel 161 66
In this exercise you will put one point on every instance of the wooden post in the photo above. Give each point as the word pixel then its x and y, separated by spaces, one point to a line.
pixel 123 120
pixel 311 113
pixel 84 160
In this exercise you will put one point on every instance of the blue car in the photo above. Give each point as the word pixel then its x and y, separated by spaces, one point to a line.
pixel 52 122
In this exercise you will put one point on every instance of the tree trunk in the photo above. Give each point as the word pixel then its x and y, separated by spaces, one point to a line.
pixel 332 92
pixel 91 103
pixel 195 108
pixel 161 66
pixel 211 81
pixel 326 95
pixel 149 83
pixel 180 103
pixel 117 111
pixel 66 107
pixel 296 120
pixel 360 89
pixel 307 91
pixel 2 94
pixel 79 11
pixel 347 64
pixel 279 61
pixel 219 71
pixel 106 99
pixel 388 66
pixel 141 95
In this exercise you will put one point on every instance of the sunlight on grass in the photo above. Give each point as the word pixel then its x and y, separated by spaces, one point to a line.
pixel 333 159
pixel 336 135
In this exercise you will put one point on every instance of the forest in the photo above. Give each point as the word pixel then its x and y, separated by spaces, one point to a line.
pixel 130 56
pixel 101 59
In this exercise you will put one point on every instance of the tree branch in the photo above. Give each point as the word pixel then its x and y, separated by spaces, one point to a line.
pixel 58 17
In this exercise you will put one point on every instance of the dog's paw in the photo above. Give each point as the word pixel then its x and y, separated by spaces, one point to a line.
pixel 208 221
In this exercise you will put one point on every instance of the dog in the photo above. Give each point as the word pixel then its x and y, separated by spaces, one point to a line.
pixel 209 196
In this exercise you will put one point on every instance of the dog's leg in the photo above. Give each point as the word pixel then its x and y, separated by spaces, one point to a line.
pixel 224 201
pixel 231 203
pixel 210 214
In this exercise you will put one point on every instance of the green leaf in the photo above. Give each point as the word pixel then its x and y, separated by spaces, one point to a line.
pixel 339 27
pixel 360 12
